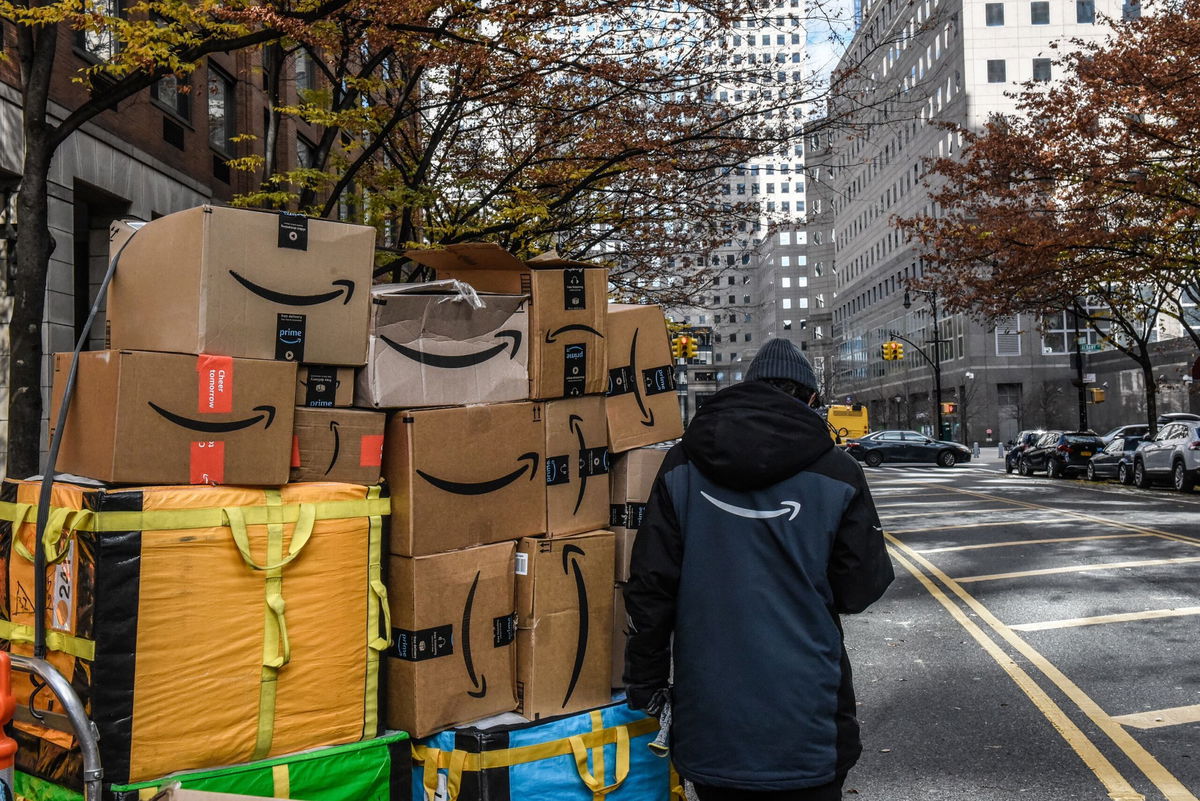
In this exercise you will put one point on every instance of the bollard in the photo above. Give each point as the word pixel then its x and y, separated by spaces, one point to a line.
pixel 8 746
pixel 1000 450
pixel 975 449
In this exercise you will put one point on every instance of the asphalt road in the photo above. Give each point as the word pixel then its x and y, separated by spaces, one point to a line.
pixel 1041 641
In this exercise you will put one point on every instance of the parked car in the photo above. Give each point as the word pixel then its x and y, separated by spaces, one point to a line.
pixel 1060 453
pixel 1131 430
pixel 1024 439
pixel 906 446
pixel 1170 417
pixel 1116 460
pixel 1173 453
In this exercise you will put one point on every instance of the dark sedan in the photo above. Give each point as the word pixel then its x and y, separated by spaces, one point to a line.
pixel 906 446
pixel 1115 461
pixel 1060 453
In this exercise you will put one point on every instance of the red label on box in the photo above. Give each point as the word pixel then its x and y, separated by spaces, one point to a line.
pixel 208 463
pixel 295 450
pixel 216 383
pixel 370 453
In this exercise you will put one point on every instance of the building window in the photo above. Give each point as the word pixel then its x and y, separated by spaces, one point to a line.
pixel 220 111
pixel 787 325
pixel 786 303
pixel 733 337
pixel 785 282
pixel 167 95
pixel 1039 12
pixel 995 70
pixel 1008 336
pixel 306 152
pixel 746 338
pixel 100 45
pixel 306 72
pixel 1085 12
pixel 994 13
pixel 732 299
pixel 1041 69
pixel 1132 10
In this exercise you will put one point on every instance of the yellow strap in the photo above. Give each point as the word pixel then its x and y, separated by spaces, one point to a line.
pixel 595 782
pixel 57 521
pixel 55 640
pixel 507 757
pixel 454 774
pixel 276 649
pixel 282 780
pixel 597 718
pixel 215 517
pixel 376 601
pixel 147 793
pixel 676 784
pixel 300 534
pixel 429 776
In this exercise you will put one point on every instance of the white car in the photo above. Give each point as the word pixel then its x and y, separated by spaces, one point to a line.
pixel 1173 453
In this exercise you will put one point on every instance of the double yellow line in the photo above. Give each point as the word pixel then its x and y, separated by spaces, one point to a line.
pixel 1117 786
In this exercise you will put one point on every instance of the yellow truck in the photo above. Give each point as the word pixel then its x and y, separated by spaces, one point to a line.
pixel 847 422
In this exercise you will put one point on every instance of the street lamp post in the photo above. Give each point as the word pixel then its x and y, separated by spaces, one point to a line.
pixel 936 361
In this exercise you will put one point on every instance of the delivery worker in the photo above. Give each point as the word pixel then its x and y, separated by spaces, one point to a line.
pixel 757 534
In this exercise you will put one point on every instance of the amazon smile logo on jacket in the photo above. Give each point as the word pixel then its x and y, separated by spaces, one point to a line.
pixel 788 508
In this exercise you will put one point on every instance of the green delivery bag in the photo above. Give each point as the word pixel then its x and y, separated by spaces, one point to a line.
pixel 372 770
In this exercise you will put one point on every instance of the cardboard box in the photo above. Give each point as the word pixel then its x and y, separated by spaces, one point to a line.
pixel 577 465
pixel 250 284
pixel 453 627
pixel 643 407
pixel 620 633
pixel 324 387
pixel 564 614
pixel 169 418
pixel 568 318
pixel 631 480
pixel 338 445
pixel 465 476
pixel 444 344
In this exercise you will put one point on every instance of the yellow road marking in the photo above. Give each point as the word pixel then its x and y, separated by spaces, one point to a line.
pixel 957 526
pixel 1124 617
pixel 1176 716
pixel 1017 542
pixel 948 512
pixel 1082 516
pixel 1164 780
pixel 1047 571
pixel 1117 786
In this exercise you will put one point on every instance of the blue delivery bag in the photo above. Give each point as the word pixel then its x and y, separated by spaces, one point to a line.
pixel 601 755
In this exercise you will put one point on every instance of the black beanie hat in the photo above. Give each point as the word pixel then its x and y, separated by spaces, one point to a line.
pixel 780 358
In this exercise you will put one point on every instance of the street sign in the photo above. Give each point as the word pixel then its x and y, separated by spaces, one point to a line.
pixel 1089 348
pixel 1089 378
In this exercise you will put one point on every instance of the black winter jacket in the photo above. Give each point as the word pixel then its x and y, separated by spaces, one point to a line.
pixel 758 532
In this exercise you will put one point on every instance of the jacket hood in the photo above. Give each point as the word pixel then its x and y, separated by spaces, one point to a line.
pixel 753 435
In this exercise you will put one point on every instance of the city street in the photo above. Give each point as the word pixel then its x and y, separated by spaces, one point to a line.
pixel 1040 640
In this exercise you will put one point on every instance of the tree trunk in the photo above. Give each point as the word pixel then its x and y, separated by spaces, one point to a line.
pixel 34 246
pixel 28 286
pixel 1151 389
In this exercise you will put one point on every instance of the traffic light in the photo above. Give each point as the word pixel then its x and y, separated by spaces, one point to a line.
pixel 889 351
pixel 949 408
pixel 898 352
pixel 677 347
pixel 1097 394
pixel 692 348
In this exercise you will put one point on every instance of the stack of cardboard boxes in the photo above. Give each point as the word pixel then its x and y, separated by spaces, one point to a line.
pixel 498 401
pixel 502 564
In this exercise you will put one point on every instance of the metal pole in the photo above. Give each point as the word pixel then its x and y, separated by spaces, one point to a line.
pixel 937 363
pixel 1083 412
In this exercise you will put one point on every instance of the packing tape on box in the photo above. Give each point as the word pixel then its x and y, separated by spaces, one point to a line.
pixel 456 762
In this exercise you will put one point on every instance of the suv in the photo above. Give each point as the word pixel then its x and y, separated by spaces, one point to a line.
pixel 1174 452
pixel 1060 452
pixel 1024 439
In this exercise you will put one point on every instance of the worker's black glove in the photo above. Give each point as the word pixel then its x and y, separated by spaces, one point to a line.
pixel 649 699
